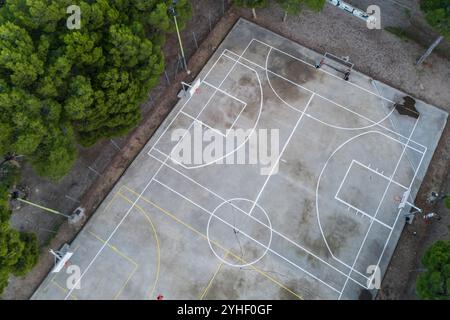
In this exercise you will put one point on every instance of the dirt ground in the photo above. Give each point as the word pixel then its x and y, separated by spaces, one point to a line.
pixel 377 53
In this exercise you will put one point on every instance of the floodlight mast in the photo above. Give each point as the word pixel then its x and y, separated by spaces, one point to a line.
pixel 174 14
pixel 42 207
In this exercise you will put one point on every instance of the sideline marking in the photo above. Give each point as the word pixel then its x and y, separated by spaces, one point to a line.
pixel 213 277
pixel 215 243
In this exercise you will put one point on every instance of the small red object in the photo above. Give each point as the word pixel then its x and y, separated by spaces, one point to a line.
pixel 160 297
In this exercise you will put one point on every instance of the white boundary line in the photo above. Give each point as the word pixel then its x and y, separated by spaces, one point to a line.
pixel 363 213
pixel 223 91
pixel 381 175
pixel 262 223
pixel 320 70
pixel 282 150
pixel 317 193
pixel 164 164
pixel 143 191
pixel 378 209
pixel 251 238
pixel 246 139
pixel 227 131
pixel 398 214
pixel 338 198
pixel 373 123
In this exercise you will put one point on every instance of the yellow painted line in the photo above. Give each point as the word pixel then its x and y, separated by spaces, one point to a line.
pixel 214 242
pixel 158 247
pixel 120 253
pixel 213 277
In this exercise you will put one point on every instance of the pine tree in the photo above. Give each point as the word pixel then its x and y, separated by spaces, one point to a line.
pixel 61 87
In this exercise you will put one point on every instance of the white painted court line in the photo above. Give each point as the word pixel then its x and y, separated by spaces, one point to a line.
pixel 338 198
pixel 324 71
pixel 317 193
pixel 379 206
pixel 237 148
pixel 378 123
pixel 373 123
pixel 381 175
pixel 138 198
pixel 263 224
pixel 223 91
pixel 231 96
pixel 371 218
pixel 116 228
pixel 202 123
pixel 251 238
pixel 345 178
pixel 281 153
pixel 236 120
pixel 181 109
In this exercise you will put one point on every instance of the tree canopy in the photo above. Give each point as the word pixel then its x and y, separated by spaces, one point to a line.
pixel 60 87
pixel 434 284
pixel 253 4
pixel 437 14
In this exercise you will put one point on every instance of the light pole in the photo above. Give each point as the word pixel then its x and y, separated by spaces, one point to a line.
pixel 174 14
pixel 73 218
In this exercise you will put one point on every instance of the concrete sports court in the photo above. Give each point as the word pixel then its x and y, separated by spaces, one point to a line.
pixel 350 152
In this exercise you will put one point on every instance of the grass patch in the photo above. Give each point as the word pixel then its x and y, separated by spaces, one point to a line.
pixel 399 32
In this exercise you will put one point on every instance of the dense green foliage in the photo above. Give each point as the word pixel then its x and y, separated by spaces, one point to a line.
pixel 437 14
pixel 434 284
pixel 253 4
pixel 60 86
pixel 291 7
pixel 294 7
pixel 18 250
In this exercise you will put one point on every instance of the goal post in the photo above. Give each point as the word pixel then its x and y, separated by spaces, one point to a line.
pixel 404 200
pixel 342 65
